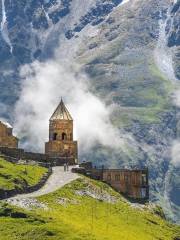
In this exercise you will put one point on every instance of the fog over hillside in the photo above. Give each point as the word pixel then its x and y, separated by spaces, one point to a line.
pixel 37 103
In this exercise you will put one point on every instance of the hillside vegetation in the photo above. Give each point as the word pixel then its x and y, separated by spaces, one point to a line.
pixel 87 210
pixel 14 176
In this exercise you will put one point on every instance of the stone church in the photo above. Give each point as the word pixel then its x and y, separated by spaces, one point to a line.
pixel 6 136
pixel 61 145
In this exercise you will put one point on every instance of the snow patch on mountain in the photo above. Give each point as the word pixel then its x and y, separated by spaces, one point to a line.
pixel 55 7
pixel 125 1
pixel 163 55
pixel 4 29
pixel 176 153
pixel 47 17
pixel 77 12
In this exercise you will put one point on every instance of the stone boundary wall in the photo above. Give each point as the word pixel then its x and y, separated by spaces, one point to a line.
pixel 19 153
pixel 27 189
pixel 16 154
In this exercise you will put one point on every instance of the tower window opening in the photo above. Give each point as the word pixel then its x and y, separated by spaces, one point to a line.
pixel 54 136
pixel 64 136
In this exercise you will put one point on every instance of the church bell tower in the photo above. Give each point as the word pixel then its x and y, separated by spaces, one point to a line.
pixel 61 145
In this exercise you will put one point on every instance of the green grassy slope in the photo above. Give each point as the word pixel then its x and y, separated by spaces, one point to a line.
pixel 16 176
pixel 71 216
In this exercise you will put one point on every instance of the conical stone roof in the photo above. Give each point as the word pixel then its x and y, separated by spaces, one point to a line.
pixel 61 113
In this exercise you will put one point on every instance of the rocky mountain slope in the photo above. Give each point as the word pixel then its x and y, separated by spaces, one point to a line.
pixel 130 52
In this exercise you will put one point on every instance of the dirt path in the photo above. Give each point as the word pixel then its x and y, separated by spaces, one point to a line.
pixel 58 179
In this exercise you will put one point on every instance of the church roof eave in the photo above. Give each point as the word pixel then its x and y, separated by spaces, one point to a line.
pixel 6 123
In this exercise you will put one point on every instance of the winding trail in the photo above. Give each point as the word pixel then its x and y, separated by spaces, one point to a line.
pixel 57 180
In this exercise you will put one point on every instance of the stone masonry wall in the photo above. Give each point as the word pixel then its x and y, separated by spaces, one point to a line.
pixel 6 137
pixel 15 154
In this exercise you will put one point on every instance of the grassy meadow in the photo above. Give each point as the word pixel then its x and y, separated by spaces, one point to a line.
pixel 85 210
pixel 14 176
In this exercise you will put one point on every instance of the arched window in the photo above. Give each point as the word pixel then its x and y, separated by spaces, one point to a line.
pixel 64 136
pixel 54 136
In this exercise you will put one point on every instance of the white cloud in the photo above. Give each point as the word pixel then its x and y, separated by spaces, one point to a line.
pixel 43 84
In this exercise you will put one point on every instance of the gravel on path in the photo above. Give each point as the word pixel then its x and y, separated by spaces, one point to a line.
pixel 58 179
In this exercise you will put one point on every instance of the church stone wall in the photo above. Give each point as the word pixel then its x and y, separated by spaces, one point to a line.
pixel 61 149
pixel 6 137
pixel 133 183
pixel 15 154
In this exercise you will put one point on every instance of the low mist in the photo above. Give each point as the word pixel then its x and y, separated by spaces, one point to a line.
pixel 42 86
